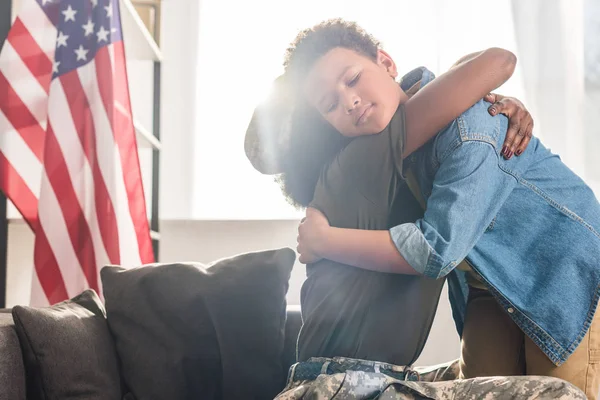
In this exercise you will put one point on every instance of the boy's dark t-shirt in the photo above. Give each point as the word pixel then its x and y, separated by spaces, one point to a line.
pixel 351 312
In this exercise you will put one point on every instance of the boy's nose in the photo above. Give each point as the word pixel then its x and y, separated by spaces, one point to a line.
pixel 352 105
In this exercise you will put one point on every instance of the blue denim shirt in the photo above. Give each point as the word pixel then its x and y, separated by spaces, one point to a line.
pixel 528 226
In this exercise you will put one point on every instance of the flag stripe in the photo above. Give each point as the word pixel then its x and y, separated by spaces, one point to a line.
pixel 26 87
pixel 47 270
pixel 24 161
pixel 33 57
pixel 52 223
pixel 15 187
pixel 79 169
pixel 39 26
pixel 110 166
pixel 76 224
pixel 127 143
pixel 77 105
pixel 19 117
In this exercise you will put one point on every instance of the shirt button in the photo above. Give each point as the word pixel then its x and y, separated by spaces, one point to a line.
pixel 511 310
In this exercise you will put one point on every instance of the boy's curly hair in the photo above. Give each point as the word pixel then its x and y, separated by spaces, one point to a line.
pixel 313 142
pixel 313 43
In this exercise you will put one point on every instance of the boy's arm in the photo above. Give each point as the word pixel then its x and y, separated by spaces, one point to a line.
pixel 461 206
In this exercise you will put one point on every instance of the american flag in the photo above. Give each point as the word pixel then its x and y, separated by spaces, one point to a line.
pixel 68 152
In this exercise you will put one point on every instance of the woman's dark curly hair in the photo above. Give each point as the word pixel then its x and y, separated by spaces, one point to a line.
pixel 313 142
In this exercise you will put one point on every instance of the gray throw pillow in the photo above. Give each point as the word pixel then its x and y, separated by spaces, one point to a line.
pixel 68 350
pixel 189 331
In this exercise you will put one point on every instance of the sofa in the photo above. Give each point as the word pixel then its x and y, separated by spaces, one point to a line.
pixel 12 369
pixel 161 331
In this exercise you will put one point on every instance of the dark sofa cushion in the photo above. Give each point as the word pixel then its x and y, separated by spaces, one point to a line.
pixel 68 350
pixel 187 331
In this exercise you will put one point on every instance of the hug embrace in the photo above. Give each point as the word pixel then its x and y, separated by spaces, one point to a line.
pixel 412 182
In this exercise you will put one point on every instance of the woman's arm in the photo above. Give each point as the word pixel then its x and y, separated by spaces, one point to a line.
pixel 454 92
pixel 466 58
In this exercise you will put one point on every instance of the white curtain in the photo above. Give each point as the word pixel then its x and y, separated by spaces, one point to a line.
pixel 557 56
pixel 592 91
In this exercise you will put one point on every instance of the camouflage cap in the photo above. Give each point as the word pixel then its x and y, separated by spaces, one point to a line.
pixel 268 132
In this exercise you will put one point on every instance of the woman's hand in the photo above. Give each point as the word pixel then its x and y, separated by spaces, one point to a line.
pixel 520 123
pixel 311 236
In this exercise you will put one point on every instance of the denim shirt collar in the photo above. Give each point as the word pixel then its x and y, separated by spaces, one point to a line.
pixel 418 74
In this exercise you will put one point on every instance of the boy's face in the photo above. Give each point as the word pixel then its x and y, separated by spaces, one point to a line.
pixel 354 94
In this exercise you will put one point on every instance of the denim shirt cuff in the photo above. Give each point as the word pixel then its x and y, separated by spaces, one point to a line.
pixel 415 249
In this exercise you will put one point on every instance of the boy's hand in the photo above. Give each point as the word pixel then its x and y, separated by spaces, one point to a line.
pixel 311 236
pixel 520 123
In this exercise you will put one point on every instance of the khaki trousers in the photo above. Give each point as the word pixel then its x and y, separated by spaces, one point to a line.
pixel 492 345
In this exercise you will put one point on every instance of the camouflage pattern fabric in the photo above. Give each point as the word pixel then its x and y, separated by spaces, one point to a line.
pixel 343 378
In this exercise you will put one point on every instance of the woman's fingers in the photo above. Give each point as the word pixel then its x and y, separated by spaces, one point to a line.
pixel 490 98
pixel 526 139
pixel 520 125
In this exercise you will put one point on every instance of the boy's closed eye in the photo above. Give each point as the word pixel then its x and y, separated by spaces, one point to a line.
pixel 350 83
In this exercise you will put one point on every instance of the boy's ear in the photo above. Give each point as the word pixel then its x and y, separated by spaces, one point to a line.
pixel 385 61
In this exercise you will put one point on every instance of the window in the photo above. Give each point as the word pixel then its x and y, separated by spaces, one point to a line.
pixel 241 48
